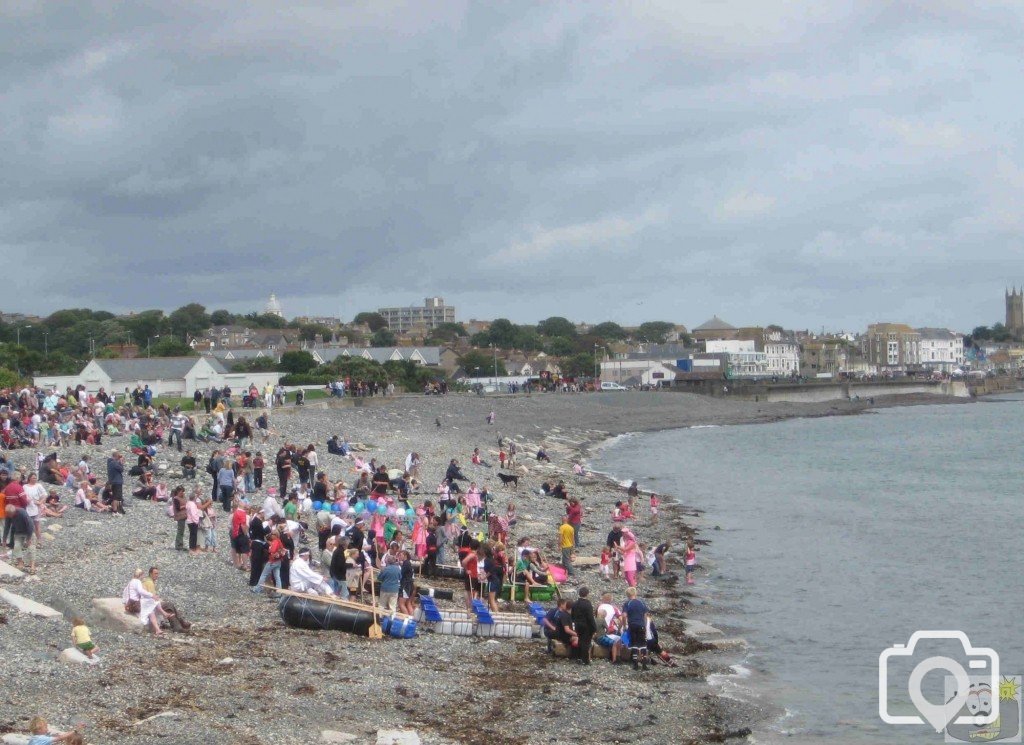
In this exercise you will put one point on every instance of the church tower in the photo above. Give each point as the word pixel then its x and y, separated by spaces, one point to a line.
pixel 1015 310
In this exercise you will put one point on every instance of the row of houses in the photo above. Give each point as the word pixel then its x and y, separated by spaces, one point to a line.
pixel 722 350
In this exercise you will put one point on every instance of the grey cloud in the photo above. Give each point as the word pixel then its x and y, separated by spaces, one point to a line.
pixel 822 164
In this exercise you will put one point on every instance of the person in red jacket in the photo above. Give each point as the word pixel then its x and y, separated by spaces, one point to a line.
pixel 574 511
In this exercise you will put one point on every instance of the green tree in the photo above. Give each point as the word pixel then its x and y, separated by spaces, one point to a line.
pixel 375 321
pixel 449 331
pixel 579 365
pixel 383 338
pixel 262 321
pixel 655 331
pixel 297 361
pixel 609 330
pixel 10 379
pixel 556 326
pixel 309 332
pixel 502 333
pixel 170 346
pixel 222 318
pixel 142 326
pixel 189 320
pixel 479 363
pixel 560 346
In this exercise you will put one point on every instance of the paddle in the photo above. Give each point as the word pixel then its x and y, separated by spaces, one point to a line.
pixel 335 601
pixel 375 631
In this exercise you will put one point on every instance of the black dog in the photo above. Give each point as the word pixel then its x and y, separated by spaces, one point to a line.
pixel 507 479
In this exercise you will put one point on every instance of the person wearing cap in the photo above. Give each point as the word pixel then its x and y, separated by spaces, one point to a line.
pixel 303 578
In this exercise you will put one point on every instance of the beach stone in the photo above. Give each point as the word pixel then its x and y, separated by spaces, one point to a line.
pixel 586 561
pixel 6 570
pixel 397 737
pixel 54 527
pixel 699 628
pixel 729 643
pixel 91 522
pixel 73 656
pixel 15 739
pixel 31 607
pixel 112 609
pixel 334 736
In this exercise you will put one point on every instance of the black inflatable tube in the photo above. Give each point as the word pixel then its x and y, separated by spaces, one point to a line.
pixel 304 613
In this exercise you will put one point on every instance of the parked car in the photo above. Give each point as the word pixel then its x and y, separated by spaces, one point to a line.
pixel 609 386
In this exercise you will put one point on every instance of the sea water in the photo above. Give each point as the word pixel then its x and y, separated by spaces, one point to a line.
pixel 835 538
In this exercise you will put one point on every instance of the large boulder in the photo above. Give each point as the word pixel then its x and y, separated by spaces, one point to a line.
pixel 112 610
pixel 73 656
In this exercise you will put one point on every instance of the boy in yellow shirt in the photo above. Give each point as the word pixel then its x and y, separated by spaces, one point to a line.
pixel 82 638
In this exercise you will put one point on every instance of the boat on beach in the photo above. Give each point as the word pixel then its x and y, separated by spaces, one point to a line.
pixel 315 613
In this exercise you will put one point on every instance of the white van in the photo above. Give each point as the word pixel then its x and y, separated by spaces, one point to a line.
pixel 609 386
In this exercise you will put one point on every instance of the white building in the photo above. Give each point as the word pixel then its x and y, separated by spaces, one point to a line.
pixel 166 376
pixel 745 361
pixel 941 349
pixel 273 308
pixel 783 353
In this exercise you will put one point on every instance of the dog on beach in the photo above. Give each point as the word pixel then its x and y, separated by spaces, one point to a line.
pixel 509 478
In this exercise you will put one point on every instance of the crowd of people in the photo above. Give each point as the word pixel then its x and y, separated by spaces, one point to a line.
pixel 309 531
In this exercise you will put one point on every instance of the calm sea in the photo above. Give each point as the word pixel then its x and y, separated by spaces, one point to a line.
pixel 839 537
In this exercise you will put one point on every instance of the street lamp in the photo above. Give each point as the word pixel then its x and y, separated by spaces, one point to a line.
pixel 595 364
pixel 494 351
pixel 149 340
pixel 46 343
pixel 19 332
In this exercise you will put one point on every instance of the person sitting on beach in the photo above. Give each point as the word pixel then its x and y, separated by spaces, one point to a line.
pixel 337 448
pixel 86 498
pixel 525 576
pixel 41 734
pixel 148 603
pixel 559 492
pixel 454 473
pixel 577 468
pixel 610 620
pixel 477 460
pixel 302 578
pixel 542 455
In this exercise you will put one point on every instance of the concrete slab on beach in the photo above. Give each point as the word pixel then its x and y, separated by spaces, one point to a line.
pixel 6 570
pixel 31 607
pixel 112 609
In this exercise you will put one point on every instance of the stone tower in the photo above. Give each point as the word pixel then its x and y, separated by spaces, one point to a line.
pixel 1015 310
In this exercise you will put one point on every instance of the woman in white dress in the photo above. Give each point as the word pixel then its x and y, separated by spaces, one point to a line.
pixel 150 611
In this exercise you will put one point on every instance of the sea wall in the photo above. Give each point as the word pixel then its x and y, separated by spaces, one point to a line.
pixel 817 392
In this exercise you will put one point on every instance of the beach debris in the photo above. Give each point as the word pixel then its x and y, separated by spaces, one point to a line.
pixel 162 715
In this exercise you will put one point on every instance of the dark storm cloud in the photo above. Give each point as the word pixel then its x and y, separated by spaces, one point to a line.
pixel 819 164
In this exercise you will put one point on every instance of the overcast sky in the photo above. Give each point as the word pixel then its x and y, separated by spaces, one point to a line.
pixel 803 163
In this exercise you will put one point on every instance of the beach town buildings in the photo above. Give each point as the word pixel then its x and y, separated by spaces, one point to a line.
pixel 941 350
pixel 892 347
pixel 745 360
pixel 430 315
pixel 825 357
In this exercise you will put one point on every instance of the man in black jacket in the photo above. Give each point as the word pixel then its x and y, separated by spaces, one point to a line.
pixel 584 622
pixel 339 569
pixel 115 477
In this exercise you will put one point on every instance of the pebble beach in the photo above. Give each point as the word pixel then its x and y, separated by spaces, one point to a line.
pixel 244 677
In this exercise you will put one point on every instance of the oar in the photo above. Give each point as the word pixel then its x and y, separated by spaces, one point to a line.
pixel 335 601
pixel 375 631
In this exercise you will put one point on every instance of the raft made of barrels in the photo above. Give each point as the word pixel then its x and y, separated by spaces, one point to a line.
pixel 463 623
pixel 302 611
pixel 445 571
